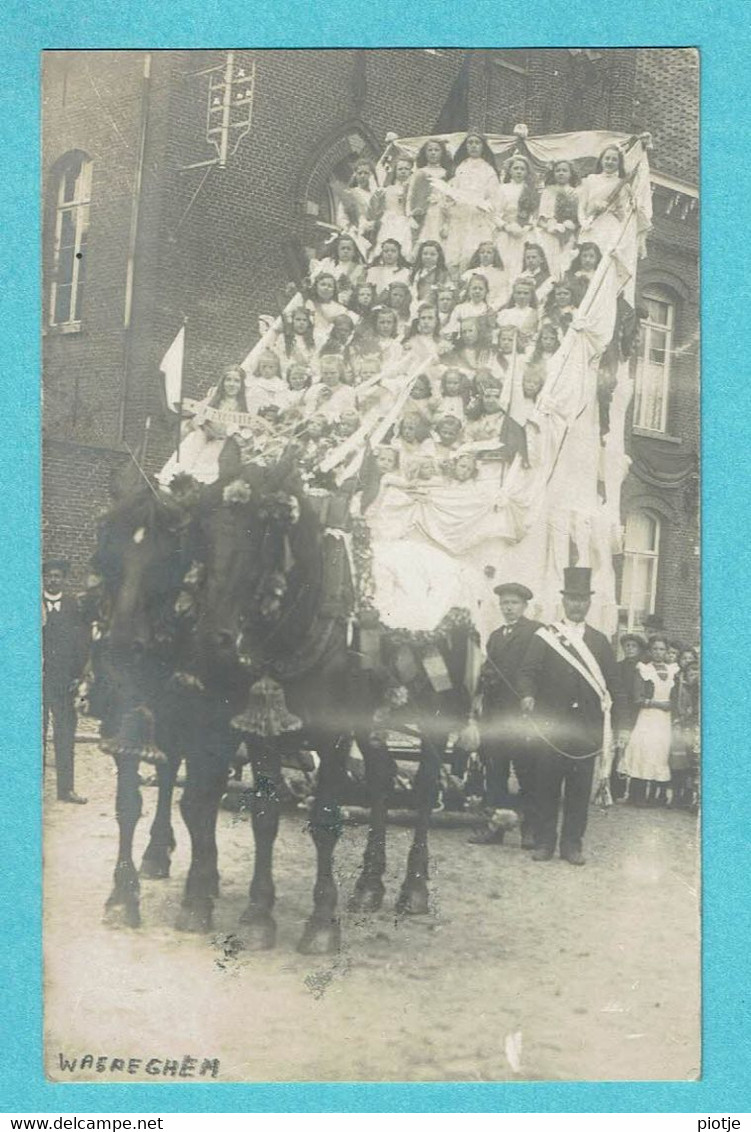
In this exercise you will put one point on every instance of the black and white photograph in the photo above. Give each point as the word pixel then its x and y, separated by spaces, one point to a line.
pixel 371 564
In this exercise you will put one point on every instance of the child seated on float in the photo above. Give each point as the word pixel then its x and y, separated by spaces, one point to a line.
pixel 421 399
pixel 388 267
pixel 455 390
pixel 535 267
pixel 364 299
pixel 295 341
pixel 487 413
pixel 463 468
pixel 339 337
pixel 265 384
pixel 399 299
pixel 447 435
pixel 446 300
pixel 412 440
pixel 560 305
pixel 424 337
pixel 521 309
pixel 345 262
pixel 475 301
pixel 204 440
pixel 346 424
pixel 584 265
pixel 314 442
pixel 330 396
pixel 322 302
pixel 487 262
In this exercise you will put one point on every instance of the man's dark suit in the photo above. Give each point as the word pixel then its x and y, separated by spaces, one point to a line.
pixel 569 718
pixel 505 736
pixel 64 648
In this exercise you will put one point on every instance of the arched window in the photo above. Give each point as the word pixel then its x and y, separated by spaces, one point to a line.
pixel 72 199
pixel 652 389
pixel 640 563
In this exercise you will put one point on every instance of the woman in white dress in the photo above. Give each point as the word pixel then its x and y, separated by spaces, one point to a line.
pixel 517 206
pixel 203 439
pixel 471 218
pixel 388 208
pixel 647 756
pixel 427 207
pixel 558 217
pixel 603 198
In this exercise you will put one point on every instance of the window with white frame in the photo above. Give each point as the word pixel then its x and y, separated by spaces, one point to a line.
pixel 653 366
pixel 640 562
pixel 72 189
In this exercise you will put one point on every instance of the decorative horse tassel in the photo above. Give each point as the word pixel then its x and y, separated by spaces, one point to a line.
pixel 266 714
pixel 135 738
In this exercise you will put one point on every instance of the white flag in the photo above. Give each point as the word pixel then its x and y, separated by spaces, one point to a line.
pixel 171 366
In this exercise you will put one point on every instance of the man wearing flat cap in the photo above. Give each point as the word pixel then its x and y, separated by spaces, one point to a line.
pixel 505 736
pixel 571 691
pixel 64 648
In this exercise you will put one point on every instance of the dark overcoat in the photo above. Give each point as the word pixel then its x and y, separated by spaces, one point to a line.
pixel 567 709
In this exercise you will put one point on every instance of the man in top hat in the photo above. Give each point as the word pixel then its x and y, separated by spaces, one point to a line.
pixel 64 649
pixel 505 736
pixel 571 691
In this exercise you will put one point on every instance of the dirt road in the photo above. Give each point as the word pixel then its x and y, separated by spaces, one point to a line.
pixel 523 970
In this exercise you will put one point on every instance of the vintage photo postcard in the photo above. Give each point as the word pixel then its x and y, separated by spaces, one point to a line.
pixel 370 594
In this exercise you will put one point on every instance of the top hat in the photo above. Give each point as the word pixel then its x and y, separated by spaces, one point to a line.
pixel 55 564
pixel 577 581
pixel 514 588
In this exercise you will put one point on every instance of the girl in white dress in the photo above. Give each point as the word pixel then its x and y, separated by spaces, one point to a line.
pixel 426 206
pixel 558 216
pixel 471 219
pixel 517 205
pixel 353 211
pixel 535 266
pixel 474 302
pixel 388 208
pixel 429 272
pixel 603 199
pixel 399 299
pixel 583 268
pixel 521 310
pixel 204 439
pixel 345 263
pixel 647 756
pixel 295 341
pixel 388 267
pixel 487 261
pixel 424 338
pixel 324 307
pixel 265 385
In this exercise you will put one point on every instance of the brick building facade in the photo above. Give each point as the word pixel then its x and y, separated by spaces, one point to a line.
pixel 148 228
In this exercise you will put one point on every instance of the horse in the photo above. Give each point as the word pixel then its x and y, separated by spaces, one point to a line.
pixel 145 559
pixel 279 606
pixel 234 618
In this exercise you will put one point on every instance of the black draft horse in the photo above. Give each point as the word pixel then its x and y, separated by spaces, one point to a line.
pixel 229 619
pixel 278 603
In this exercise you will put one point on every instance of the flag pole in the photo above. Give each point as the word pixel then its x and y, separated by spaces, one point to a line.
pixel 180 402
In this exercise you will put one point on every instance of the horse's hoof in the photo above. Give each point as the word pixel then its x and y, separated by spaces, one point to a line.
pixel 320 938
pixel 121 915
pixel 367 897
pixel 259 930
pixel 195 917
pixel 155 868
pixel 413 902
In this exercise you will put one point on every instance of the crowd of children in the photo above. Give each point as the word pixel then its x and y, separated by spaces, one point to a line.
pixel 454 274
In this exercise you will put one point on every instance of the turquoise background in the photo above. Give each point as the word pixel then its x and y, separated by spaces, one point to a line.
pixel 722 32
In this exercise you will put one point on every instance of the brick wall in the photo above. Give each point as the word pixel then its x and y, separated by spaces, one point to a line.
pixel 666 102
